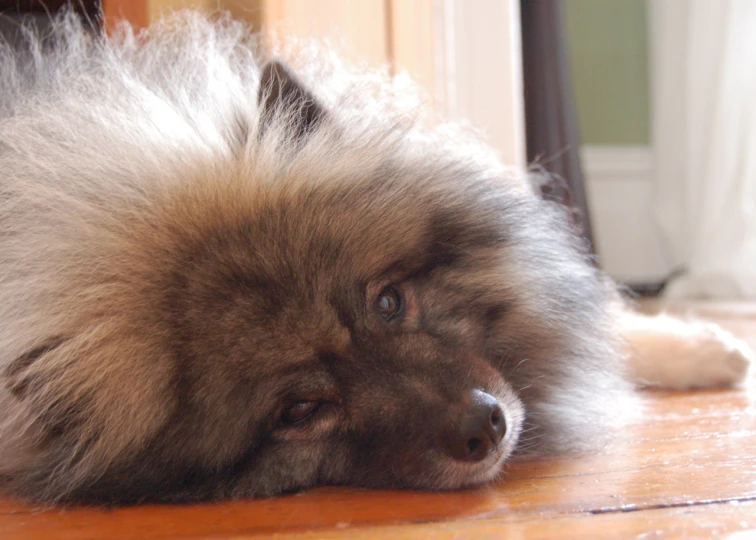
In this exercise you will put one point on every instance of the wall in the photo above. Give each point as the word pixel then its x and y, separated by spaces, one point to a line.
pixel 607 44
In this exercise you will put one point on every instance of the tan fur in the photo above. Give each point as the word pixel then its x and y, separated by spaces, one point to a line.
pixel 668 352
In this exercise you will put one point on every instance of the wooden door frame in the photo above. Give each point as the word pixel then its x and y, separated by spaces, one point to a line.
pixel 136 12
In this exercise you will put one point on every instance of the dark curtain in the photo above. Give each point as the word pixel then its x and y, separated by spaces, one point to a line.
pixel 550 122
pixel 38 12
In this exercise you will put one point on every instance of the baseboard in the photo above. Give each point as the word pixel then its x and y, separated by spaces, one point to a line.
pixel 612 163
pixel 619 181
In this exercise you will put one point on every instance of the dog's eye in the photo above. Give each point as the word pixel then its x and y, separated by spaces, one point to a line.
pixel 389 303
pixel 299 412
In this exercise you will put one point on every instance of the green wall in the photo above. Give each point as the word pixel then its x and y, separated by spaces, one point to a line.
pixel 607 43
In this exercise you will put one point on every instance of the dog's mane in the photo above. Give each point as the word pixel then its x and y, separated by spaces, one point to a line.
pixel 97 137
pixel 94 130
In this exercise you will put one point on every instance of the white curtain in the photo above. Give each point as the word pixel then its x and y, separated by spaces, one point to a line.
pixel 704 137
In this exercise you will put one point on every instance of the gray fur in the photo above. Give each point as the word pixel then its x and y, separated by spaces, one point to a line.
pixel 173 269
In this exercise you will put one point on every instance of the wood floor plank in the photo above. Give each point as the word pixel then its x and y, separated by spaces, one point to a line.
pixel 736 520
pixel 644 475
pixel 674 472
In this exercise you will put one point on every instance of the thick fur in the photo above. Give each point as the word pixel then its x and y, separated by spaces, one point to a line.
pixel 185 252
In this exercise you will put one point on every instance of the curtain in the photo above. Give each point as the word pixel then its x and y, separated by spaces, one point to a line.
pixel 550 122
pixel 704 138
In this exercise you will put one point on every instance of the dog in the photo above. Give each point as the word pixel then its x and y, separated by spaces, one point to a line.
pixel 231 271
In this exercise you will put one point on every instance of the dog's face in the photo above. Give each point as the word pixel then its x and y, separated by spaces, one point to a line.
pixel 370 321
pixel 354 331
pixel 341 332
pixel 369 367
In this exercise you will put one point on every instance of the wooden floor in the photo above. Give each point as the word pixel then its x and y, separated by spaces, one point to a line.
pixel 687 470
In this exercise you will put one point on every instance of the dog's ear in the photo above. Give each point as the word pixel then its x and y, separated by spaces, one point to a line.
pixel 282 97
pixel 17 375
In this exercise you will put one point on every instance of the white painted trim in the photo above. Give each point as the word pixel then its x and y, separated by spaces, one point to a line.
pixel 467 54
pixel 471 67
pixel 446 48
pixel 482 75
pixel 606 163
pixel 619 181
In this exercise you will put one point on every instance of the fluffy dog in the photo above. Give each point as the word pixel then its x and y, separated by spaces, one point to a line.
pixel 227 277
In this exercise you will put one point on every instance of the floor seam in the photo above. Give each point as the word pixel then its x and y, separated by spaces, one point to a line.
pixel 662 506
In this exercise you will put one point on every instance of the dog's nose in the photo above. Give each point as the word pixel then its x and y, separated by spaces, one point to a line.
pixel 480 430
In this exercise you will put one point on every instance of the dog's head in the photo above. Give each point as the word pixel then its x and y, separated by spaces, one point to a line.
pixel 374 309
pixel 339 329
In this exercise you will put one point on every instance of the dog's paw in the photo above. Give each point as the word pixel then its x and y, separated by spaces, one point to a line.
pixel 675 354
pixel 710 357
pixel 719 358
